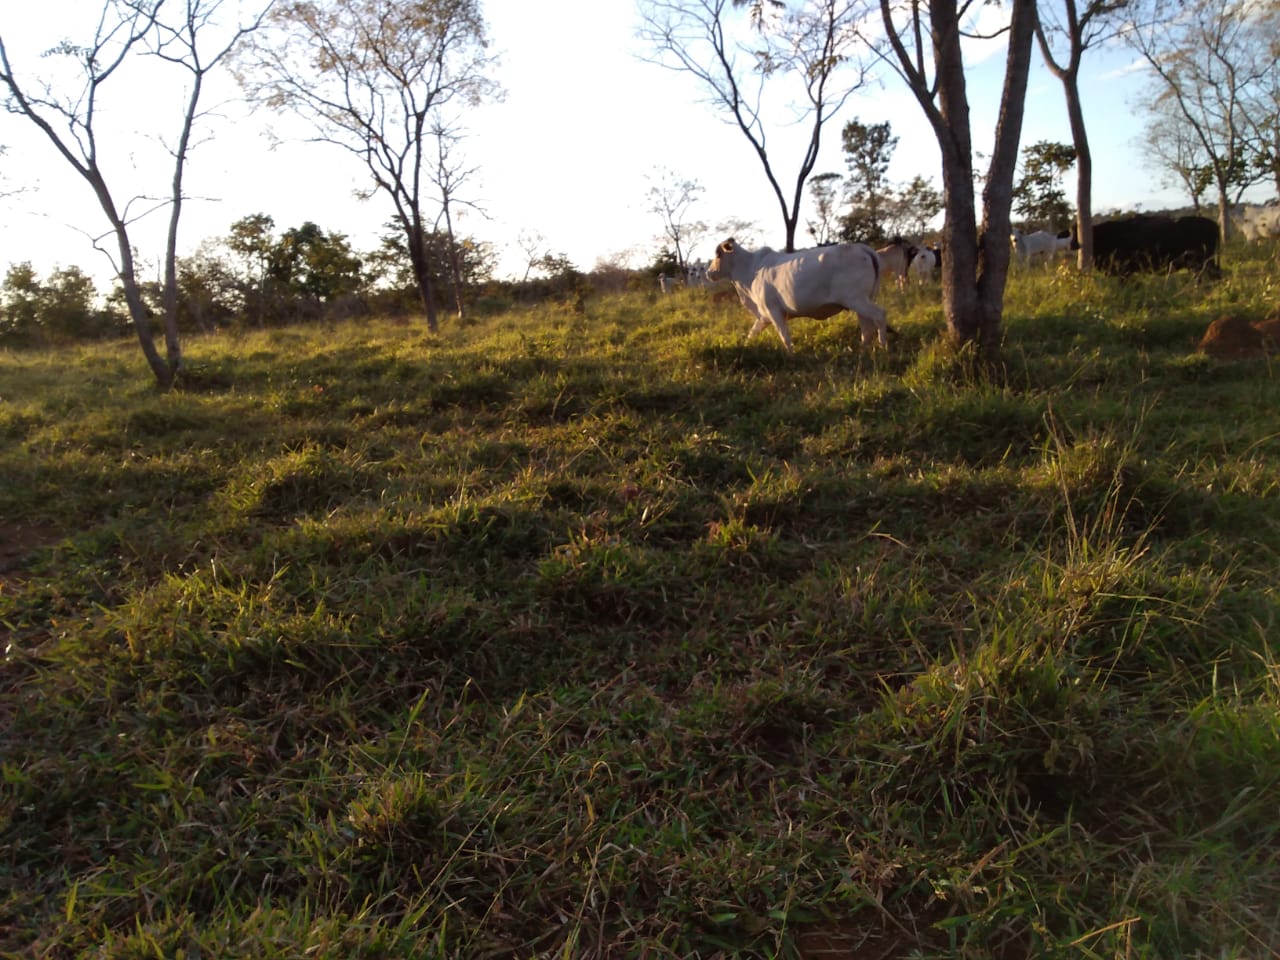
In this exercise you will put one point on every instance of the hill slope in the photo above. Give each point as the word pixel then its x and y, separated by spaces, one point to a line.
pixel 602 634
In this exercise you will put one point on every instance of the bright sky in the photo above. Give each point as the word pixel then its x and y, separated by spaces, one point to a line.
pixel 585 121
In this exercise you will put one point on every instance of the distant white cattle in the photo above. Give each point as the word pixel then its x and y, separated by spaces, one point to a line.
pixel 1040 245
pixel 1256 221
pixel 922 265
pixel 819 283
pixel 695 274
pixel 668 283
pixel 894 260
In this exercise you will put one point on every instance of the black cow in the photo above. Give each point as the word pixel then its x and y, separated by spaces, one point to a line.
pixel 1155 243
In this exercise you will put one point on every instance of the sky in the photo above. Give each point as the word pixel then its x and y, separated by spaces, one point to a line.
pixel 570 153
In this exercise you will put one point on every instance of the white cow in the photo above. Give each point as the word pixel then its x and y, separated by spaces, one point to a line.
pixel 1256 222
pixel 1042 244
pixel 695 274
pixel 818 283
pixel 894 260
pixel 668 284
pixel 922 265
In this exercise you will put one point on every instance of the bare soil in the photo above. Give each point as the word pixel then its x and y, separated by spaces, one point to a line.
pixel 1233 338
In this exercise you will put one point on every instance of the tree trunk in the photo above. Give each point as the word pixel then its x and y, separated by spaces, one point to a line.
pixel 975 264
pixel 427 296
pixel 1069 75
pixel 945 104
pixel 1084 174
pixel 455 269
pixel 422 275
pixel 960 260
pixel 173 344
pixel 959 252
pixel 993 244
pixel 138 311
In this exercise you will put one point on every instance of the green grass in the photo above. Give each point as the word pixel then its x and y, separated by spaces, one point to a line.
pixel 609 635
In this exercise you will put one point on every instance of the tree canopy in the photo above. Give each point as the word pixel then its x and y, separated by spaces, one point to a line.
pixel 382 80
pixel 811 47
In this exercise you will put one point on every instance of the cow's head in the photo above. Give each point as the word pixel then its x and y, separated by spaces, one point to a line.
pixel 720 262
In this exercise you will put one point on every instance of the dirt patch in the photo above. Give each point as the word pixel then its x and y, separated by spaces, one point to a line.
pixel 17 542
pixel 1270 330
pixel 836 942
pixel 873 934
pixel 1234 338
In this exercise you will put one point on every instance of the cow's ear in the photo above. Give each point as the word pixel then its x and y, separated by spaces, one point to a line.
pixel 727 246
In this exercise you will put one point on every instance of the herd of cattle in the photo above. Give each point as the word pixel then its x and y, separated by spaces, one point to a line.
pixel 778 287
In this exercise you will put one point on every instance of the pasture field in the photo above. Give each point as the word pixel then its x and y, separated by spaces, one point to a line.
pixel 598 633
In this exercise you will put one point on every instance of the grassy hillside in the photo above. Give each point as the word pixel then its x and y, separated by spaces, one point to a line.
pixel 602 634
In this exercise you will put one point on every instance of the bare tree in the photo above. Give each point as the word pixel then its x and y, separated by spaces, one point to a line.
pixel 975 260
pixel 813 46
pixel 1171 146
pixel 535 247
pixel 671 198
pixel 1077 28
pixel 824 189
pixel 178 43
pixel 5 191
pixel 371 76
pixel 449 175
pixel 1264 117
pixel 1210 59
pixel 127 29
pixel 747 232
pixel 911 207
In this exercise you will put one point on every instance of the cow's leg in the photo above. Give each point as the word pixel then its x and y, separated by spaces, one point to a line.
pixel 760 324
pixel 873 321
pixel 772 309
pixel 780 324
pixel 762 318
pixel 749 302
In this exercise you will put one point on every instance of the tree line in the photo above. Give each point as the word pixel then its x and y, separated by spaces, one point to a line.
pixel 384 80
pixel 391 84
pixel 257 277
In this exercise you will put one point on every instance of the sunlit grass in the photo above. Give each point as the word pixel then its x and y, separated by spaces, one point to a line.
pixel 601 633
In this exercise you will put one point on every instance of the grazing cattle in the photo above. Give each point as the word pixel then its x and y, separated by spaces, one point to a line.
pixel 1040 245
pixel 894 260
pixel 668 284
pixel 1157 243
pixel 1256 222
pixel 819 283
pixel 923 265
